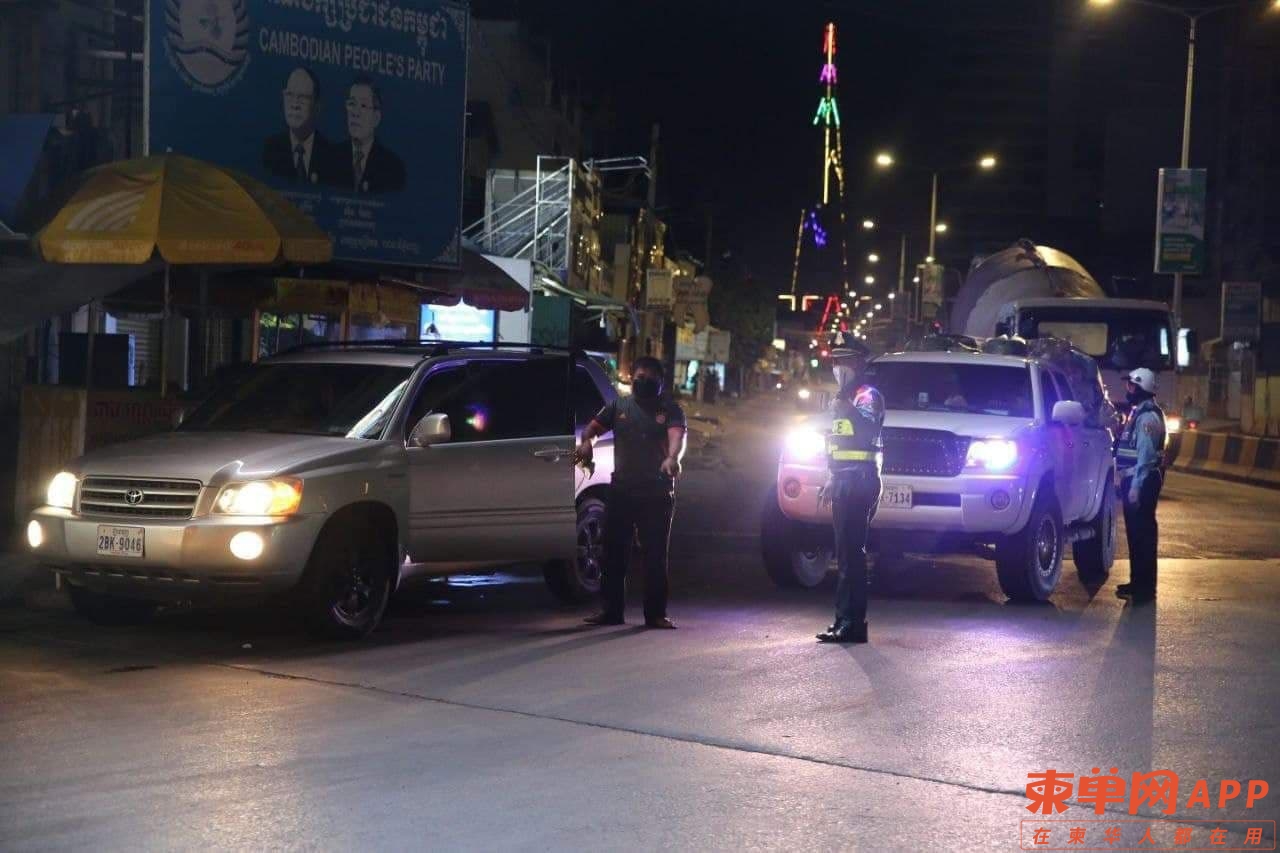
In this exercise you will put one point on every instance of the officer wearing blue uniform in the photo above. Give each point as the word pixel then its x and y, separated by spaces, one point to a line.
pixel 1139 454
pixel 853 486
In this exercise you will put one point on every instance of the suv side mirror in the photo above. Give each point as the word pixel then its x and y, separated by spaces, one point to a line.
pixel 433 429
pixel 1068 412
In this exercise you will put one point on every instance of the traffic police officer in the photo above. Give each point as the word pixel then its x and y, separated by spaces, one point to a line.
pixel 1139 455
pixel 853 486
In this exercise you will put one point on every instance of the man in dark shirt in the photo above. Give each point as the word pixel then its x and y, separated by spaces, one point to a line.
pixel 648 444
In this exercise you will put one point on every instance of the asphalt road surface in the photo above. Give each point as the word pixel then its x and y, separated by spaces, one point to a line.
pixel 485 716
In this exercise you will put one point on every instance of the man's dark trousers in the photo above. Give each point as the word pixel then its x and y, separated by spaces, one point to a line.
pixel 648 512
pixel 855 496
pixel 1144 535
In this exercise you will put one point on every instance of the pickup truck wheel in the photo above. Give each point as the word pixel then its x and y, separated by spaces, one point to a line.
pixel 348 583
pixel 578 580
pixel 1029 562
pixel 103 609
pixel 1095 556
pixel 793 555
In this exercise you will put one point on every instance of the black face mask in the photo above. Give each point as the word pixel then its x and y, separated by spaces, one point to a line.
pixel 646 388
pixel 1135 397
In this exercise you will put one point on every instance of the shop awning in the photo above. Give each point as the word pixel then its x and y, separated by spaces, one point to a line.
pixel 35 290
pixel 22 139
pixel 592 302
pixel 480 283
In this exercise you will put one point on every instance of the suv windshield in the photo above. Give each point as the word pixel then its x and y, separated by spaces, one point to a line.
pixel 1118 339
pixel 980 389
pixel 348 400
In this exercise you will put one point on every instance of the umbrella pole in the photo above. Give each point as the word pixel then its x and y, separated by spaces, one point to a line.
pixel 164 338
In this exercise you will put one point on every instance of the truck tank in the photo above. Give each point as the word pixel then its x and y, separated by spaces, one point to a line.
pixel 1022 271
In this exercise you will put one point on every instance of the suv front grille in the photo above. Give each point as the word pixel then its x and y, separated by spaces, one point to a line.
pixel 124 496
pixel 923 452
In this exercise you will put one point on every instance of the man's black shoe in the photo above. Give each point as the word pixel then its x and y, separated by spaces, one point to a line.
pixel 849 632
pixel 604 619
pixel 661 623
pixel 830 629
pixel 1128 590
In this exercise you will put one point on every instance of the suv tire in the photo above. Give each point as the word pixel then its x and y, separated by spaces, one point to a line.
pixel 101 608
pixel 794 556
pixel 347 583
pixel 1029 562
pixel 578 580
pixel 1095 556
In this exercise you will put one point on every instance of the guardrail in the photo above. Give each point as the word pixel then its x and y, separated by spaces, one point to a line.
pixel 1240 458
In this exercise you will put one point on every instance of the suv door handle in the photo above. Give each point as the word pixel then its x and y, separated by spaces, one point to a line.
pixel 555 454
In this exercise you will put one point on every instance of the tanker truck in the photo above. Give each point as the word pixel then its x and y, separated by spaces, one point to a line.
pixel 1037 291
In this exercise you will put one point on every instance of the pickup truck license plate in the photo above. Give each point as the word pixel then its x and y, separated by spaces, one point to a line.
pixel 120 541
pixel 897 497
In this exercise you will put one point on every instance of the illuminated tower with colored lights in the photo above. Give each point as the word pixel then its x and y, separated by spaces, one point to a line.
pixel 828 119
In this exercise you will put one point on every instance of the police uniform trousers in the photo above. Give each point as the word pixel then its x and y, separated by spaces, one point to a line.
pixel 648 513
pixel 1143 533
pixel 854 498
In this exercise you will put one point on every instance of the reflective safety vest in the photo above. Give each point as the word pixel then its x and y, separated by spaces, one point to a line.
pixel 854 439
pixel 1127 445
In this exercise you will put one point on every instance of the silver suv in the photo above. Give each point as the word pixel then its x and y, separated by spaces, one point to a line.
pixel 335 472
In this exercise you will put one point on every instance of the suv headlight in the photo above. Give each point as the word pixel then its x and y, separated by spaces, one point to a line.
pixel 992 454
pixel 260 497
pixel 62 490
pixel 805 444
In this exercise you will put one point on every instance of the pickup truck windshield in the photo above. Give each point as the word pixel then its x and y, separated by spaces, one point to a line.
pixel 980 389
pixel 347 400
pixel 1120 339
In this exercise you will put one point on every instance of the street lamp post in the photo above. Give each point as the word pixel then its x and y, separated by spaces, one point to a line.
pixel 986 163
pixel 1192 17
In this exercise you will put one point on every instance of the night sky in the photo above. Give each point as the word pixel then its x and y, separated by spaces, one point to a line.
pixel 734 86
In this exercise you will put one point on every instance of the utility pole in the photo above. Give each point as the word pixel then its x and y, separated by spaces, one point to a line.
pixel 653 168
pixel 707 251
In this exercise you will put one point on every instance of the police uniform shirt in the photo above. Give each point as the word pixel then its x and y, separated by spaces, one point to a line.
pixel 640 440
pixel 1141 447
pixel 857 416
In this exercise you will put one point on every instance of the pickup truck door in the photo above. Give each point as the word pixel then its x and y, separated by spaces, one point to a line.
pixel 501 489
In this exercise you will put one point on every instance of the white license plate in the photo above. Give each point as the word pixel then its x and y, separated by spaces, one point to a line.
pixel 120 541
pixel 897 497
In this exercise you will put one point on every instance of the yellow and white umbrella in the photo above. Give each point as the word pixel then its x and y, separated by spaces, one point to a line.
pixel 189 211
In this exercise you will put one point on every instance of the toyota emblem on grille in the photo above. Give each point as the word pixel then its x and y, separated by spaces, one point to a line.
pixel 133 496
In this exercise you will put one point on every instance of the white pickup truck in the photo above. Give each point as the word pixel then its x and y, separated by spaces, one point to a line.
pixel 981 452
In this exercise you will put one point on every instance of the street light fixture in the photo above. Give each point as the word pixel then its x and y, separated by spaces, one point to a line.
pixel 940 228
pixel 884 159
pixel 1192 16
pixel 868 224
pixel 989 162
pixel 870 279
pixel 929 259
pixel 892 295
pixel 875 259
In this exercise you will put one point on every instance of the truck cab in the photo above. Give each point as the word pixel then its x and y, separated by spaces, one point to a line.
pixel 1120 334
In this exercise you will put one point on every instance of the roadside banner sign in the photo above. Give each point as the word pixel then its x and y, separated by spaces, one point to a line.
pixel 1180 216
pixel 353 110
pixel 1241 310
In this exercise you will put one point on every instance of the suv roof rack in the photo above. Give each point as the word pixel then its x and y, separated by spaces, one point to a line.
pixel 429 346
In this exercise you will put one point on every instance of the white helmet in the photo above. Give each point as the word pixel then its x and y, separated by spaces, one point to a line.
pixel 1144 379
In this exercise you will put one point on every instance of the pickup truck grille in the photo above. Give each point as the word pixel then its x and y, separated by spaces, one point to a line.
pixel 923 452
pixel 126 497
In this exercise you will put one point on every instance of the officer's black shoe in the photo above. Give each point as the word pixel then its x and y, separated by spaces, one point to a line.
pixel 603 619
pixel 847 632
pixel 1139 595
pixel 830 629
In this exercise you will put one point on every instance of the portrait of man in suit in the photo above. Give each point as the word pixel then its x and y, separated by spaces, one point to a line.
pixel 300 154
pixel 368 165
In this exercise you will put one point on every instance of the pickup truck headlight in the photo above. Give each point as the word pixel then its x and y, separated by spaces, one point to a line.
pixel 992 454
pixel 260 497
pixel 805 444
pixel 62 491
pixel 804 393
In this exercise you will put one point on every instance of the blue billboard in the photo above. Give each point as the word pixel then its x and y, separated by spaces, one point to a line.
pixel 352 108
